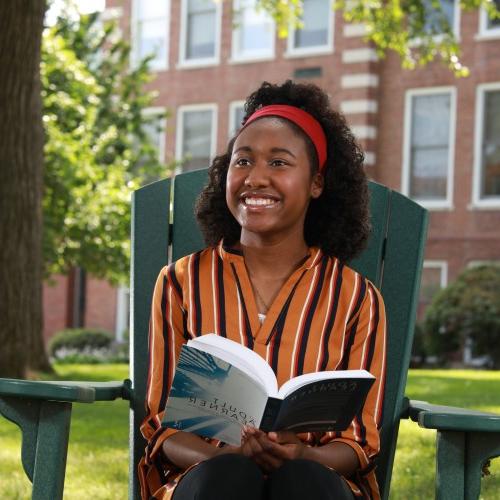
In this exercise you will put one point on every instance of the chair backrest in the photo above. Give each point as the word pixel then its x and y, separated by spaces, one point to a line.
pixel 392 260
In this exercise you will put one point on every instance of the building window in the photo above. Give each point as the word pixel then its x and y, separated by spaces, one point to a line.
pixel 122 322
pixel 150 32
pixel 489 27
pixel 236 115
pixel 487 147
pixel 316 33
pixel 253 35
pixel 450 11
pixel 429 146
pixel 200 28
pixel 155 129
pixel 196 140
pixel 434 278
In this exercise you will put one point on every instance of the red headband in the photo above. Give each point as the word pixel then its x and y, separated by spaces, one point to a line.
pixel 302 119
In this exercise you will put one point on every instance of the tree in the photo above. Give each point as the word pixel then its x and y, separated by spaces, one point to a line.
pixel 469 308
pixel 408 27
pixel 97 151
pixel 21 186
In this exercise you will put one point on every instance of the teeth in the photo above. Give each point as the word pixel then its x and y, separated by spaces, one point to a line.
pixel 259 201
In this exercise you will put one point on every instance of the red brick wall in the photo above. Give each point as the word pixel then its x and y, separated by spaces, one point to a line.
pixel 55 302
pixel 100 311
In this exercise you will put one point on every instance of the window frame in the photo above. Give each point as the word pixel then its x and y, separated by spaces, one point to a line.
pixel 179 138
pixel 232 127
pixel 485 33
pixel 447 202
pixel 477 201
pixel 237 56
pixel 204 61
pixel 328 48
pixel 134 53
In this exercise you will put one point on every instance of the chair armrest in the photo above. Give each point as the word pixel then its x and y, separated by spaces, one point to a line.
pixel 451 418
pixel 68 391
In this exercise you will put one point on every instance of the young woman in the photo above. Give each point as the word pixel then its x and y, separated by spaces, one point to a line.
pixel 285 208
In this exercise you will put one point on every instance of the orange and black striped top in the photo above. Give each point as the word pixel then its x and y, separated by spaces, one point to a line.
pixel 326 317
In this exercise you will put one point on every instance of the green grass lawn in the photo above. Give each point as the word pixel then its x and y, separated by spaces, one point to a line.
pixel 98 452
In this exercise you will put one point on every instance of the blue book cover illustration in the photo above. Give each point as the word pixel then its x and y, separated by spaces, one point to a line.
pixel 212 398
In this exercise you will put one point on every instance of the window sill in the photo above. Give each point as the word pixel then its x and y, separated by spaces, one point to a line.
pixel 487 35
pixel 251 59
pixel 484 205
pixel 310 52
pixel 197 63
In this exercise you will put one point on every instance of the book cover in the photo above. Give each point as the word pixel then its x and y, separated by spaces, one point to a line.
pixel 213 398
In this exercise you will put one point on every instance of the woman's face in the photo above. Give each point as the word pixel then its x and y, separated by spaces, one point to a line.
pixel 269 182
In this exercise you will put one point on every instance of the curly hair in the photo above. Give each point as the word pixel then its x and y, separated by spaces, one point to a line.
pixel 338 220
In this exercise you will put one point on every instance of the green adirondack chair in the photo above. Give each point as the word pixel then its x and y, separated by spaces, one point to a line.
pixel 393 261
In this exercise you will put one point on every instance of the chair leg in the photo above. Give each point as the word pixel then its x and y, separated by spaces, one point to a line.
pixel 450 462
pixel 51 450
pixel 480 447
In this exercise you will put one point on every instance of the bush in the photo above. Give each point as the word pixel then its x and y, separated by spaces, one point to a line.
pixel 468 310
pixel 82 345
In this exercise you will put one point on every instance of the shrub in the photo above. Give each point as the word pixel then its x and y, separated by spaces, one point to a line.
pixel 81 345
pixel 467 310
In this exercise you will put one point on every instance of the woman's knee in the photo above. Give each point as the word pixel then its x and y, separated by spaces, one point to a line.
pixel 227 476
pixel 307 479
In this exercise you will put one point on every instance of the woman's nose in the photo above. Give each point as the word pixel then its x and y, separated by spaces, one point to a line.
pixel 258 175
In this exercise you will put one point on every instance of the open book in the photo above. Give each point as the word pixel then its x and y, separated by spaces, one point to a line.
pixel 220 385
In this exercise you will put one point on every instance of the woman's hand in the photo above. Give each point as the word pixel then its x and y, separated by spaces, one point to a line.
pixel 271 450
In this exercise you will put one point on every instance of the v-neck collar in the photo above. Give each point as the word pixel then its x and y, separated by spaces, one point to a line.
pixel 262 332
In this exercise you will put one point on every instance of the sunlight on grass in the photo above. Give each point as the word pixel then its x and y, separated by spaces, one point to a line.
pixel 97 466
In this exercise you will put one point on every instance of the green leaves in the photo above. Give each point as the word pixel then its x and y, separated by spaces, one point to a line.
pixel 469 308
pixel 417 30
pixel 96 150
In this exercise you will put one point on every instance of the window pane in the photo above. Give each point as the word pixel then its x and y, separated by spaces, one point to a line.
pixel 197 135
pixel 153 40
pixel 151 9
pixel 430 284
pixel 490 172
pixel 432 16
pixel 494 23
pixel 237 118
pixel 200 29
pixel 255 29
pixel 430 130
pixel 316 20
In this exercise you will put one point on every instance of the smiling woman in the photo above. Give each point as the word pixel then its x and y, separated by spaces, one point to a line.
pixel 285 208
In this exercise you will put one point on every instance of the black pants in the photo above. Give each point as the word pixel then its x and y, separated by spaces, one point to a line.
pixel 235 477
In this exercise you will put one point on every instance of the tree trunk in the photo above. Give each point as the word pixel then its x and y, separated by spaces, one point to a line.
pixel 21 187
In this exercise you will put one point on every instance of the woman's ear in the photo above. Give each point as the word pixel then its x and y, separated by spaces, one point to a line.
pixel 317 184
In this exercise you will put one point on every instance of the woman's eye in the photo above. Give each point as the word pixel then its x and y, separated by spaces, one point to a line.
pixel 242 162
pixel 278 163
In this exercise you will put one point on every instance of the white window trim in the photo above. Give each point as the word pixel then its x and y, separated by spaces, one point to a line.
pixel 237 56
pixel 439 264
pixel 206 61
pixel 232 125
pixel 180 129
pixel 157 110
pixel 485 33
pixel 482 262
pixel 134 55
pixel 122 320
pixel 292 52
pixel 447 203
pixel 477 202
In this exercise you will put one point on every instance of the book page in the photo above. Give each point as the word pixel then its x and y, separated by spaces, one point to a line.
pixel 301 380
pixel 239 356
pixel 212 398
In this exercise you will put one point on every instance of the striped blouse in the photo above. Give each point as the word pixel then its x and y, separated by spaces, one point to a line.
pixel 325 317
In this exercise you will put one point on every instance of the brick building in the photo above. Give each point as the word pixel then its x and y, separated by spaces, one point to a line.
pixel 425 133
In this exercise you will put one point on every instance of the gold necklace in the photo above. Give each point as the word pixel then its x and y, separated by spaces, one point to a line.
pixel 259 296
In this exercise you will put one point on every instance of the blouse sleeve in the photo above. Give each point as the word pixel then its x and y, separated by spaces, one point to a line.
pixel 366 333
pixel 166 336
